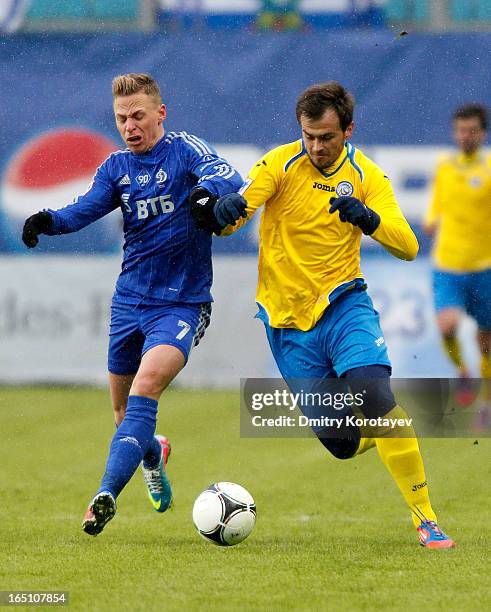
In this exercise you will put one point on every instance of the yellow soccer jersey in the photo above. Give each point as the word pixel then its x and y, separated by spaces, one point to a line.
pixel 461 210
pixel 307 256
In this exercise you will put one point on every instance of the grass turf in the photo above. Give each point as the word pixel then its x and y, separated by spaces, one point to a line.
pixel 330 535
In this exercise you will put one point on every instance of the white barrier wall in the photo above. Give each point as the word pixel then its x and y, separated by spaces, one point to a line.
pixel 54 320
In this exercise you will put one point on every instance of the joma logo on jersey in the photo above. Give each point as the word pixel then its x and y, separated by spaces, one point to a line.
pixel 323 187
pixel 154 206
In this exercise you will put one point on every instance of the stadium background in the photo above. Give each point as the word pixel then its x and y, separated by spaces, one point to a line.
pixel 223 79
pixel 330 535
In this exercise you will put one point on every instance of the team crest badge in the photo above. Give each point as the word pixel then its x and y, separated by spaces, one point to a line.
pixel 161 176
pixel 344 188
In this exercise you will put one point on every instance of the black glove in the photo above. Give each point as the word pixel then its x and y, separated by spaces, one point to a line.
pixel 355 212
pixel 40 223
pixel 230 208
pixel 202 202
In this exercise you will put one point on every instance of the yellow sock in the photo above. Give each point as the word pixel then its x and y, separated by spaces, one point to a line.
pixel 367 440
pixel 486 377
pixel 402 458
pixel 365 444
pixel 452 348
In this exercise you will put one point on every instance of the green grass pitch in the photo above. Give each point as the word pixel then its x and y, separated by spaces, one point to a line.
pixel 330 535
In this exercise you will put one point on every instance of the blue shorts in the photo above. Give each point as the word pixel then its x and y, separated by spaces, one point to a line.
pixel 136 329
pixel 348 335
pixel 470 291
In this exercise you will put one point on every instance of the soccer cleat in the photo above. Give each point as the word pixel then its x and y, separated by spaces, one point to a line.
pixel 100 511
pixel 431 536
pixel 158 485
pixel 466 391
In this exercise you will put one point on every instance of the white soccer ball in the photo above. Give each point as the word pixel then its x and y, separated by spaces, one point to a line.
pixel 225 513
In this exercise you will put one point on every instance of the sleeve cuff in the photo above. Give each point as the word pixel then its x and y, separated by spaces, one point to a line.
pixel 56 224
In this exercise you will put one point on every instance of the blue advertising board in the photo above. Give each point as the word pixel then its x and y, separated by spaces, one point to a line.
pixel 230 88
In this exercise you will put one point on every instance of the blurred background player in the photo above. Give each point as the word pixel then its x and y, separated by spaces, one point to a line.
pixel 312 298
pixel 460 218
pixel 162 302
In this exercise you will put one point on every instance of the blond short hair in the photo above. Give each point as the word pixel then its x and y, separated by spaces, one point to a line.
pixel 135 82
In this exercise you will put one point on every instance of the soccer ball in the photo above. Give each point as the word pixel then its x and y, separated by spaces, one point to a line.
pixel 224 513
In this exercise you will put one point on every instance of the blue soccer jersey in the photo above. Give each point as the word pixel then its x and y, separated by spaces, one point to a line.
pixel 166 259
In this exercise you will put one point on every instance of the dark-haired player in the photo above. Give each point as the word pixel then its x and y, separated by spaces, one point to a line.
pixel 320 195
pixel 460 217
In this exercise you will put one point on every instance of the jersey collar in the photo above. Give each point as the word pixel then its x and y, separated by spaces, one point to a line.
pixel 465 159
pixel 157 148
pixel 336 166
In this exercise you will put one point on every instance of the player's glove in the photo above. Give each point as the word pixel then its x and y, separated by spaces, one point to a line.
pixel 202 203
pixel 213 214
pixel 355 212
pixel 230 208
pixel 40 223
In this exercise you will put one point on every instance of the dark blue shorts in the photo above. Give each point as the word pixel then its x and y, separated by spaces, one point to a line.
pixel 470 291
pixel 136 329
pixel 348 335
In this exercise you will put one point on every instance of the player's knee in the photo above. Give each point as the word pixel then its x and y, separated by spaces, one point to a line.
pixel 448 321
pixel 341 448
pixel 448 329
pixel 373 383
pixel 484 342
pixel 148 385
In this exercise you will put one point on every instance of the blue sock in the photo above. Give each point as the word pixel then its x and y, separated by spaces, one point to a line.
pixel 130 443
pixel 151 459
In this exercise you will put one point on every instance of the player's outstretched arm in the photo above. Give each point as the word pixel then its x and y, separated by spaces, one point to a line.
pixel 99 200
pixel 230 208
pixel 213 214
pixel 215 178
pixel 39 223
pixel 378 215
pixel 387 225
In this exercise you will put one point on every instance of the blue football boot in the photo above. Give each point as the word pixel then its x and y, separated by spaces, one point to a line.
pixel 158 485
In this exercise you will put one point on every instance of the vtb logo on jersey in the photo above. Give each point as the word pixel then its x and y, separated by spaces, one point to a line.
pixel 161 177
pixel 154 206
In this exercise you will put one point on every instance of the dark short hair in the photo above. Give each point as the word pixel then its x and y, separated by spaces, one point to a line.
pixel 316 99
pixel 473 109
